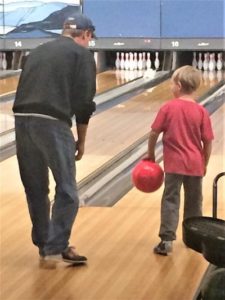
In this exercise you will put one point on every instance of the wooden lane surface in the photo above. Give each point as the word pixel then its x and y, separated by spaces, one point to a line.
pixel 117 240
pixel 104 81
pixel 9 85
pixel 112 79
pixel 114 130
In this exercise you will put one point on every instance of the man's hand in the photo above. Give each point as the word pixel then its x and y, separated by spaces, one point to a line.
pixel 79 150
pixel 81 134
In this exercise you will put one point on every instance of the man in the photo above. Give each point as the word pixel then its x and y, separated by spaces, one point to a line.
pixel 57 83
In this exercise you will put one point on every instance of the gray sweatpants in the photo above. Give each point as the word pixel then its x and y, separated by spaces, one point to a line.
pixel 171 202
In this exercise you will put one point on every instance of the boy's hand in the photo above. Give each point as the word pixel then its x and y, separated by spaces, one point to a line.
pixel 149 157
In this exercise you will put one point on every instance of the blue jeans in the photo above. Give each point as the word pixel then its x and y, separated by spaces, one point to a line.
pixel 43 144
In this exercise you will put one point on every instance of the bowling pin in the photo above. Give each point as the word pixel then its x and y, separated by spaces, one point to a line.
pixel 131 61
pixel 205 62
pixel 143 60
pixel 211 63
pixel 140 62
pixel 127 62
pixel 200 63
pixel 156 62
pixel 148 61
pixel 122 62
pixel 194 61
pixel 214 60
pixel 219 64
pixel 135 61
pixel 4 62
pixel 117 62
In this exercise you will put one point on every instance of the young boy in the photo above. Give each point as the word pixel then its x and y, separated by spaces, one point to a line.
pixel 187 143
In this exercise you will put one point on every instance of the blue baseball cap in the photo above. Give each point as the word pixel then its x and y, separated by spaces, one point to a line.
pixel 80 22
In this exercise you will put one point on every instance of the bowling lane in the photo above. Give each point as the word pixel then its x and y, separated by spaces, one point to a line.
pixel 111 79
pixel 120 126
pixel 6 116
pixel 105 81
pixel 112 131
pixel 8 85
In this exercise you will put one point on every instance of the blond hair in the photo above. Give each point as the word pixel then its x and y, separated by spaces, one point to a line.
pixel 189 78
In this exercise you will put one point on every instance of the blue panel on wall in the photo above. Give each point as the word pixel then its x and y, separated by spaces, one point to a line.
pixel 193 18
pixel 123 18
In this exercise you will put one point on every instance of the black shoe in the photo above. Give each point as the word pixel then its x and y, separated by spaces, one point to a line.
pixel 71 256
pixel 164 248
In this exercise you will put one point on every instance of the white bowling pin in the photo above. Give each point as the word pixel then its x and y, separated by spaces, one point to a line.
pixel 144 60
pixel 135 61
pixel 4 62
pixel 148 61
pixel 205 62
pixel 156 62
pixel 219 64
pixel 200 63
pixel 117 61
pixel 194 61
pixel 211 63
pixel 127 62
pixel 140 62
pixel 122 62
pixel 131 61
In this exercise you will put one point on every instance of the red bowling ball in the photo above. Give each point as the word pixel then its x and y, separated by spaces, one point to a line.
pixel 147 176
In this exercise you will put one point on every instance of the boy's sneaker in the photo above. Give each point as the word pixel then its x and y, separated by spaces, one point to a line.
pixel 70 255
pixel 164 248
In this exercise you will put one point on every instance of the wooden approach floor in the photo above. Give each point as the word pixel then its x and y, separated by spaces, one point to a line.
pixel 117 240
